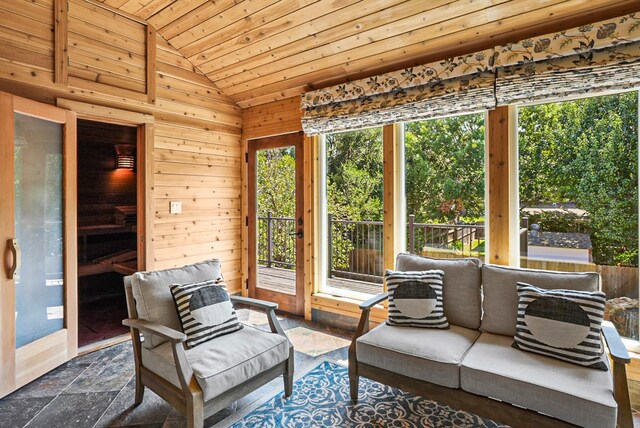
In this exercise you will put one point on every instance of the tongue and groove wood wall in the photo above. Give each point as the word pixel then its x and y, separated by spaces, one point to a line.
pixel 197 151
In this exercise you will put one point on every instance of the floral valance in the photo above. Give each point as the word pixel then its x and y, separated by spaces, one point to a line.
pixel 612 68
pixel 603 34
pixel 435 99
pixel 411 77
pixel 466 81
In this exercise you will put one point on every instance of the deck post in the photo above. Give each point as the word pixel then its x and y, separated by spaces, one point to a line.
pixel 269 240
pixel 412 238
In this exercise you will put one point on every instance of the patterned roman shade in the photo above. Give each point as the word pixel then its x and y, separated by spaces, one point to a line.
pixel 456 85
pixel 593 58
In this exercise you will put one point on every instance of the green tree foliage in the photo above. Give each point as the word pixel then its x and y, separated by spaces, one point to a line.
pixel 276 182
pixel 586 152
pixel 354 175
pixel 445 168
pixel 277 195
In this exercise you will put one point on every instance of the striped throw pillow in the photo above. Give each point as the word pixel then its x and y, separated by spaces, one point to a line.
pixel 562 324
pixel 415 299
pixel 205 311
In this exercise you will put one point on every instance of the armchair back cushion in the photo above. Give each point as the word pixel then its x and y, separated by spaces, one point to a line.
pixel 461 286
pixel 500 290
pixel 152 293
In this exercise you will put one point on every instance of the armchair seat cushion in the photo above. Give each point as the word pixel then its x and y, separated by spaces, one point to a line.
pixel 573 393
pixel 433 355
pixel 224 362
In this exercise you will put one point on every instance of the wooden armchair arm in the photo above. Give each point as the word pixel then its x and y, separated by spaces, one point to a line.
pixel 368 304
pixel 269 307
pixel 620 358
pixel 363 325
pixel 617 350
pixel 166 333
pixel 262 304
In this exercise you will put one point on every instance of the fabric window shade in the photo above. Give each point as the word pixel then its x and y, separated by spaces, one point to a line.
pixel 451 86
pixel 589 59
pixel 604 56
pixel 436 99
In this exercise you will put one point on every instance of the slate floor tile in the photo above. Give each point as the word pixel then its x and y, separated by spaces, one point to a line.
pixel 110 372
pixel 51 384
pixel 73 410
pixel 16 412
pixel 122 412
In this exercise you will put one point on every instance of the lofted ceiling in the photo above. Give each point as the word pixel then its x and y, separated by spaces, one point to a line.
pixel 257 51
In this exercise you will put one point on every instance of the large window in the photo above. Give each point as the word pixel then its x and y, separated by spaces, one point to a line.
pixel 354 188
pixel 578 174
pixel 444 186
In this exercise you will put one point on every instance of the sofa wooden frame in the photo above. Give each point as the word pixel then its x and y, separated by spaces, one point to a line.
pixel 496 410
pixel 189 398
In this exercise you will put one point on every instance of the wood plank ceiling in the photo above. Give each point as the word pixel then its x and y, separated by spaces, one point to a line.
pixel 257 51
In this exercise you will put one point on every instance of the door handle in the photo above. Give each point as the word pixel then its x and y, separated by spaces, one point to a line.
pixel 15 253
pixel 299 233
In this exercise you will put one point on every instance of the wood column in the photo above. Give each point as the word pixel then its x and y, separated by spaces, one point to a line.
pixel 501 181
pixel 311 236
pixel 392 181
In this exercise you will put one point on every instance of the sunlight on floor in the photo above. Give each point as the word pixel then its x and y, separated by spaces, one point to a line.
pixel 314 343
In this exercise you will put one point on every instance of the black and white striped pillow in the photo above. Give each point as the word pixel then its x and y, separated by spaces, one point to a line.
pixel 563 324
pixel 205 311
pixel 415 299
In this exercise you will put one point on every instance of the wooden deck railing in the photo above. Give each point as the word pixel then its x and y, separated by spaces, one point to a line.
pixel 355 247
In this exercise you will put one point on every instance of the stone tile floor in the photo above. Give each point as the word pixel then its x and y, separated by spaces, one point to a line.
pixel 97 389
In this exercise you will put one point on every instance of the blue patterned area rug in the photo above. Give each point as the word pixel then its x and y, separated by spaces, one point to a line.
pixel 321 399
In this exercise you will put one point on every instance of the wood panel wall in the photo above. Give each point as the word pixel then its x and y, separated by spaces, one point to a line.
pixel 105 48
pixel 197 149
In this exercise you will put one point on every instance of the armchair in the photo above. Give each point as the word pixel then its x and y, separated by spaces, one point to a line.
pixel 205 379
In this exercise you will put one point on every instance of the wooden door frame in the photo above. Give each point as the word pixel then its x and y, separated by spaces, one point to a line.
pixel 21 366
pixel 144 166
pixel 288 303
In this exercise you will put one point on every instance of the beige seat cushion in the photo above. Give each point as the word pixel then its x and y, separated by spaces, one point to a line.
pixel 154 302
pixel 224 362
pixel 500 289
pixel 566 391
pixel 429 354
pixel 461 285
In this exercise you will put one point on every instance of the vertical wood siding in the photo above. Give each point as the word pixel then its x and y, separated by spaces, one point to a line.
pixel 197 151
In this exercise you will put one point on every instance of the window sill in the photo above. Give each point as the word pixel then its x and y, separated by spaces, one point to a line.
pixel 345 306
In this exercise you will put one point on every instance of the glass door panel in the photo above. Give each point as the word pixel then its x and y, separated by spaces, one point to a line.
pixel 275 221
pixel 38 307
pixel 38 228
pixel 276 201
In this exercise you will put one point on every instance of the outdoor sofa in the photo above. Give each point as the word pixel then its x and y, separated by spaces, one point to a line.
pixel 472 365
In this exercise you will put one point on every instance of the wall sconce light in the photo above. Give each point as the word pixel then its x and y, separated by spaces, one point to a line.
pixel 125 157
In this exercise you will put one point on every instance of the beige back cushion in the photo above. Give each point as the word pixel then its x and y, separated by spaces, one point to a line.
pixel 154 302
pixel 461 286
pixel 499 285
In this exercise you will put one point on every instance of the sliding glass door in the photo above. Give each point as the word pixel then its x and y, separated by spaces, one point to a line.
pixel 38 324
